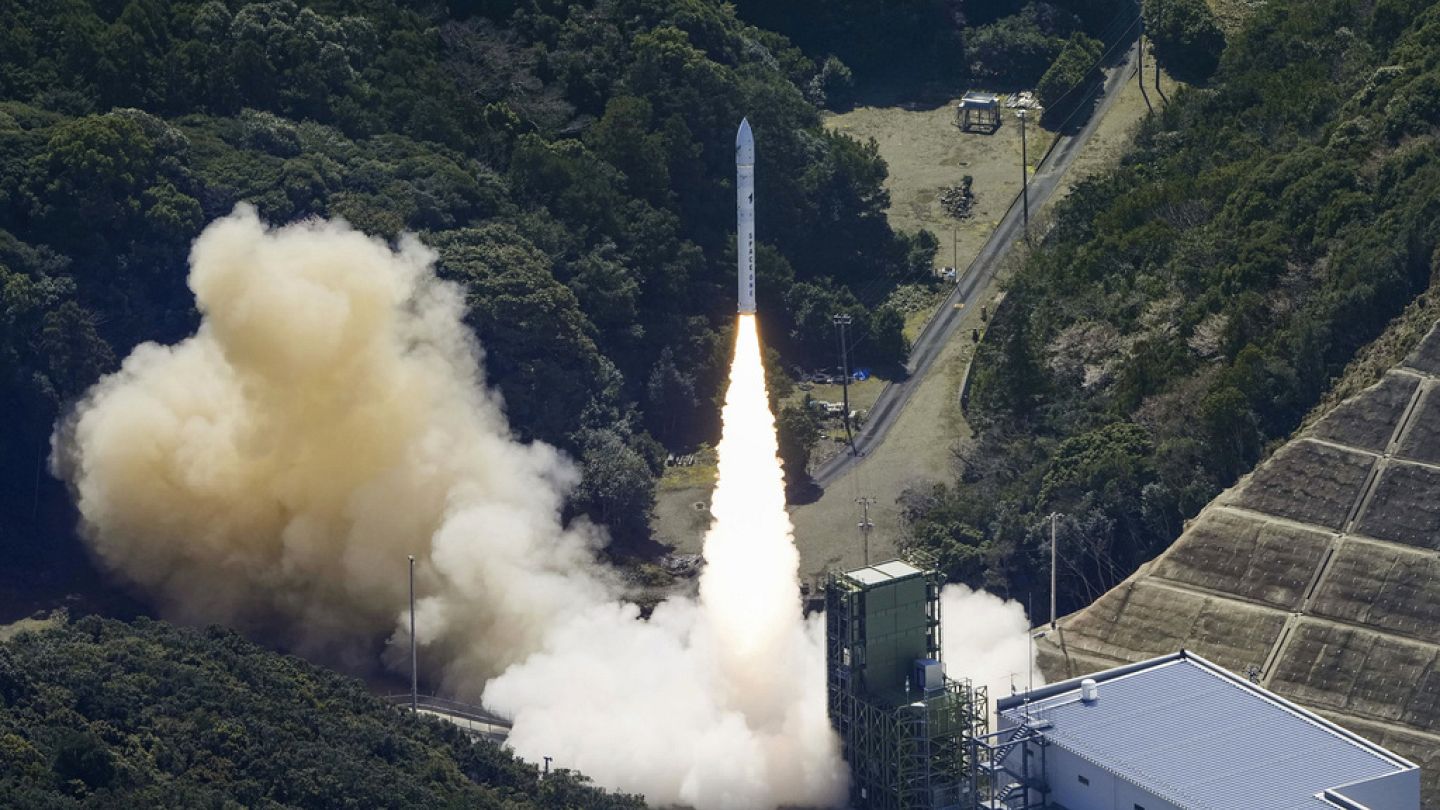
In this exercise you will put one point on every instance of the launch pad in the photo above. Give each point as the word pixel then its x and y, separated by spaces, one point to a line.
pixel 905 727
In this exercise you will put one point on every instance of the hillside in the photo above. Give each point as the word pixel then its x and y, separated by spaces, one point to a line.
pixel 1318 574
pixel 571 162
pixel 100 713
pixel 1185 312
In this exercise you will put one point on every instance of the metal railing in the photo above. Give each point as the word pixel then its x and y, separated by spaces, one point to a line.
pixel 453 709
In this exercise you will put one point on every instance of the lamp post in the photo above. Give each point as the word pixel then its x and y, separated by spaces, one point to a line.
pixel 414 671
pixel 1024 174
pixel 1053 557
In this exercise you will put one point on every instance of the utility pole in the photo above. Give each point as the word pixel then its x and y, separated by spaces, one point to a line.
pixel 414 672
pixel 1159 15
pixel 1029 651
pixel 842 321
pixel 1140 65
pixel 1053 557
pixel 1159 89
pixel 865 525
pixel 1024 174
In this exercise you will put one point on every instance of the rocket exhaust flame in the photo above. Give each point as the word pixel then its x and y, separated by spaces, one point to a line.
pixel 750 589
pixel 721 699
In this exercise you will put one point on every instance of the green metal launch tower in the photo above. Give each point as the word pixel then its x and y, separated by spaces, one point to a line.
pixel 906 727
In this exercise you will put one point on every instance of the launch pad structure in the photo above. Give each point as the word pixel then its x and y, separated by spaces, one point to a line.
pixel 906 728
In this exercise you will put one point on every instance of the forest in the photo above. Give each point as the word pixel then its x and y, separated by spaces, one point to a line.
pixel 1186 310
pixel 571 162
pixel 100 713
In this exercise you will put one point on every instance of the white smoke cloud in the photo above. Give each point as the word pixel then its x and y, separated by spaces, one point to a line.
pixel 984 638
pixel 329 417
pixel 716 702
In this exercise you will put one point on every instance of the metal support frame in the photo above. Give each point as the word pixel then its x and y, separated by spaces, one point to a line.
pixel 908 754
pixel 1004 775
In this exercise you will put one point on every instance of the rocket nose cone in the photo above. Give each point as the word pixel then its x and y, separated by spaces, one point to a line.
pixel 745 145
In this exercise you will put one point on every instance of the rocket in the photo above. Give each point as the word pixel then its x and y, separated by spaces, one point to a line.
pixel 745 214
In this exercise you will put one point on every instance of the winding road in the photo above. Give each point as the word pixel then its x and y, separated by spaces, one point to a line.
pixel 975 282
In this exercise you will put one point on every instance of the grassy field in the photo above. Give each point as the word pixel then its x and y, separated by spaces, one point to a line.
pixel 927 153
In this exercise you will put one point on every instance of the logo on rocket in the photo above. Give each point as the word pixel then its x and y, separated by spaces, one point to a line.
pixel 745 215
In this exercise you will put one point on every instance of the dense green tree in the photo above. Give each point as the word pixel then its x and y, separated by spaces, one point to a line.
pixel 888 345
pixel 915 39
pixel 542 350
pixel 99 713
pixel 798 431
pixel 1068 82
pixel 1016 50
pixel 672 401
pixel 812 308
pixel 833 86
pixel 1188 40
pixel 618 486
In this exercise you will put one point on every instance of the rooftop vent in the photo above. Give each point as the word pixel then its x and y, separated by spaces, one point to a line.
pixel 1089 690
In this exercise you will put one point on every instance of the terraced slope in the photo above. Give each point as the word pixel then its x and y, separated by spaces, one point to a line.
pixel 1318 574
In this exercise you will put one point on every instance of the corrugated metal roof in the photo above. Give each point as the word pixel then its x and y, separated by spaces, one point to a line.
pixel 1202 738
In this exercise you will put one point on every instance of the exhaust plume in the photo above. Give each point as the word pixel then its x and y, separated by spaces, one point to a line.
pixel 717 702
pixel 985 638
pixel 329 417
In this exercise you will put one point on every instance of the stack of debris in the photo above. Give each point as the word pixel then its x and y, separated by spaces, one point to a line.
pixel 958 201
pixel 1024 100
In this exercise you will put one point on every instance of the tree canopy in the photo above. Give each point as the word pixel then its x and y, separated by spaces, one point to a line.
pixel 1188 40
pixel 101 713
pixel 571 162
pixel 1187 308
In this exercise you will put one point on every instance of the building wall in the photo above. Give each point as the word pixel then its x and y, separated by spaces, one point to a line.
pixel 1393 791
pixel 1063 771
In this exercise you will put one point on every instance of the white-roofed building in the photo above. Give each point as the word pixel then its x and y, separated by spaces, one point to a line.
pixel 1180 732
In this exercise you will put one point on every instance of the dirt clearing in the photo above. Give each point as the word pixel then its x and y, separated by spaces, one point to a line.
pixel 927 153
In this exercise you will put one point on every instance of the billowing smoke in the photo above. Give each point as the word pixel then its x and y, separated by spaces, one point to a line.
pixel 718 702
pixel 984 638
pixel 329 417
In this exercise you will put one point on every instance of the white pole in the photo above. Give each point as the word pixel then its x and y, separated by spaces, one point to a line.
pixel 414 671
pixel 1024 175
pixel 1053 557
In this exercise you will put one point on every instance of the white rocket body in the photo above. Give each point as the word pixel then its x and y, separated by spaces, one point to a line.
pixel 745 214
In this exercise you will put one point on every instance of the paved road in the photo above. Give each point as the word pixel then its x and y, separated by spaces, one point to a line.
pixel 974 283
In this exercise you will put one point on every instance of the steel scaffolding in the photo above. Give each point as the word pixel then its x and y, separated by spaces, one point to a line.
pixel 1004 774
pixel 908 746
